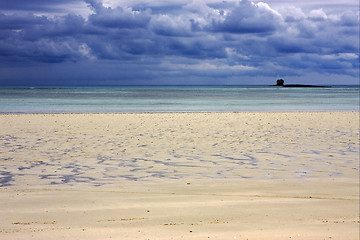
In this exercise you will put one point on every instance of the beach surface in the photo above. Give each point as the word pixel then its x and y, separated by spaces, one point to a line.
pixel 289 175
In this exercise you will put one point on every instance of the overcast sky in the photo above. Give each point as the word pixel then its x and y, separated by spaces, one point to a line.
pixel 111 42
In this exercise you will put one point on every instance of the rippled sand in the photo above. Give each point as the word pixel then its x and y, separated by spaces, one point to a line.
pixel 180 176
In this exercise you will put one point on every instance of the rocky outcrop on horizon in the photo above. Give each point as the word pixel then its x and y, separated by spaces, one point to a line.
pixel 280 83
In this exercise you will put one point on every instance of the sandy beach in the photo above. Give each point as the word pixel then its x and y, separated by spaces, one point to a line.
pixel 286 175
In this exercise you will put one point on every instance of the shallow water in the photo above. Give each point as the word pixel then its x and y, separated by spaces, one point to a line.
pixel 176 99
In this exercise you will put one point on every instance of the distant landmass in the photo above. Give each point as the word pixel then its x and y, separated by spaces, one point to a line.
pixel 280 83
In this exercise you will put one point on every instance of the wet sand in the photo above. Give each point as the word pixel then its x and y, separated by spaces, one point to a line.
pixel 180 176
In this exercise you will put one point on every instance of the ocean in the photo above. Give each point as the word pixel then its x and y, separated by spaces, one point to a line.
pixel 138 99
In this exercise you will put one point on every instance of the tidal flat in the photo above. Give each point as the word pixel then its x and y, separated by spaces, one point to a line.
pixel 238 175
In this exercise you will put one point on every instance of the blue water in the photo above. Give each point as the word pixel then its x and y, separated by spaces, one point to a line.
pixel 176 99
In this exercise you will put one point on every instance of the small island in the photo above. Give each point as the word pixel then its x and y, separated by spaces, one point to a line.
pixel 280 83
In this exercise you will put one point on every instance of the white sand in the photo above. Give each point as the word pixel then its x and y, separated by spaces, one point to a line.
pixel 180 176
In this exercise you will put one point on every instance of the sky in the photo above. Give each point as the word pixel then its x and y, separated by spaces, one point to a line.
pixel 178 42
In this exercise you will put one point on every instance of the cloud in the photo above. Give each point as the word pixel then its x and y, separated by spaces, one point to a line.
pixel 17 21
pixel 168 25
pixel 194 37
pixel 248 17
pixel 43 5
pixel 317 15
pixel 107 17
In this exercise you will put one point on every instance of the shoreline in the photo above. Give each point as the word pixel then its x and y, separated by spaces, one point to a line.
pixel 244 175
pixel 175 112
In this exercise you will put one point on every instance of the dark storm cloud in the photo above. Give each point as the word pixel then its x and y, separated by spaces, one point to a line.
pixel 17 21
pixel 184 39
pixel 33 38
pixel 35 5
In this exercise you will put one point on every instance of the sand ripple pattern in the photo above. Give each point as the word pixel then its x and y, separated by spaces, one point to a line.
pixel 100 149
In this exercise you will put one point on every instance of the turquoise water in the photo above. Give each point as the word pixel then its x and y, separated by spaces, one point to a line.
pixel 176 99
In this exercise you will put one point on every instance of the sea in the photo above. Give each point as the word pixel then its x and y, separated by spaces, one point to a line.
pixel 153 99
